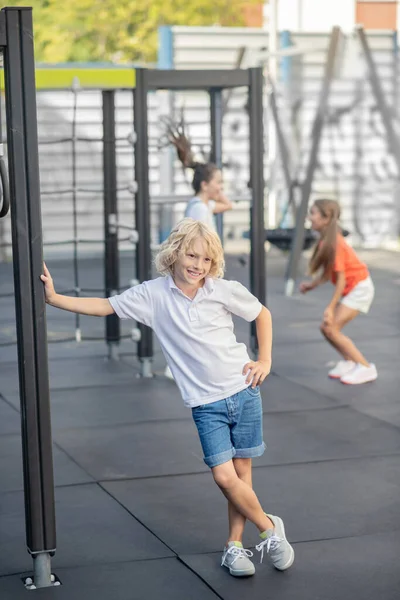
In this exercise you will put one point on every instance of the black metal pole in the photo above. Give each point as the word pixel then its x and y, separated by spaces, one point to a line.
pixel 29 295
pixel 316 134
pixel 216 116
pixel 358 165
pixel 142 208
pixel 74 156
pixel 111 250
pixel 257 232
pixel 287 163
pixel 382 104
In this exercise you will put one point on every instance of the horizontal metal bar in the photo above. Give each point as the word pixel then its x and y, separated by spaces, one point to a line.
pixel 68 339
pixel 81 191
pixel 183 79
pixel 49 141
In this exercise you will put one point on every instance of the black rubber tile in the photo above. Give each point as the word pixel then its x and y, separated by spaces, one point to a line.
pixel 298 320
pixel 324 435
pixel 89 371
pixel 168 579
pixel 74 372
pixel 146 400
pixel 8 354
pixel 92 529
pixel 66 471
pixel 60 351
pixel 387 410
pixel 10 421
pixel 282 395
pixel 157 399
pixel 331 499
pixel 142 450
pixel 172 447
pixel 317 501
pixel 364 567
pixel 309 364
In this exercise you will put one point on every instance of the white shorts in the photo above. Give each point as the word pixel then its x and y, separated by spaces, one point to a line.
pixel 361 296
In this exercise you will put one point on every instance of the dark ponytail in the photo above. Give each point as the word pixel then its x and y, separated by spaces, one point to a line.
pixel 202 172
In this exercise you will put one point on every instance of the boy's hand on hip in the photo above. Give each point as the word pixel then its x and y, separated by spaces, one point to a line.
pixel 257 371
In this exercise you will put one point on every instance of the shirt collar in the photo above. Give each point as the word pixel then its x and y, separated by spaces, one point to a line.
pixel 208 286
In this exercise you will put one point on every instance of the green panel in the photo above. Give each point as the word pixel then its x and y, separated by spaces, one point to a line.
pixel 88 78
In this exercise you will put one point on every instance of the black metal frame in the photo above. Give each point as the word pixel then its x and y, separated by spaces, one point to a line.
pixel 16 39
pixel 380 98
pixel 111 250
pixel 316 134
pixel 216 117
pixel 286 159
pixel 257 228
pixel 142 202
pixel 183 79
pixel 213 81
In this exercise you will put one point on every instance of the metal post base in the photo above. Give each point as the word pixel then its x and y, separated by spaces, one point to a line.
pixel 145 370
pixel 113 352
pixel 42 570
pixel 289 287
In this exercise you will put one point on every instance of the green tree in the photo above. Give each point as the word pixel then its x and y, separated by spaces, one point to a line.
pixel 118 30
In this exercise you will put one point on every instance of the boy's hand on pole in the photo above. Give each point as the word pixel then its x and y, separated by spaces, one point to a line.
pixel 48 284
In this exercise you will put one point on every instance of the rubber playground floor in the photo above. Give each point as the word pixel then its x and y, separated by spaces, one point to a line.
pixel 138 515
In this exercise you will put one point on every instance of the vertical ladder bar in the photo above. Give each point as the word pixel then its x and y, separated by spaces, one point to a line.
pixel 111 250
pixel 142 208
pixel 216 117
pixel 316 134
pixel 257 230
pixel 29 295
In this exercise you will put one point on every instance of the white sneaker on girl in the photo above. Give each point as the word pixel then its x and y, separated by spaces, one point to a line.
pixel 341 369
pixel 360 374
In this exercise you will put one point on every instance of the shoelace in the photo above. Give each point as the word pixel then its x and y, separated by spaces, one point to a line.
pixel 272 543
pixel 237 553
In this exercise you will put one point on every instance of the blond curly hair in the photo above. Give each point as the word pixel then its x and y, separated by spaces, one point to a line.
pixel 181 239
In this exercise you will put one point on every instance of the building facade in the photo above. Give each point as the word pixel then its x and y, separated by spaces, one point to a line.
pixel 307 15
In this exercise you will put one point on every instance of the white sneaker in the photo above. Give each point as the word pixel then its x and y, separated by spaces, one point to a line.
pixel 275 542
pixel 360 374
pixel 341 369
pixel 167 373
pixel 237 560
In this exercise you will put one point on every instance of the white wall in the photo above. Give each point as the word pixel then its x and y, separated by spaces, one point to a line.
pixel 316 15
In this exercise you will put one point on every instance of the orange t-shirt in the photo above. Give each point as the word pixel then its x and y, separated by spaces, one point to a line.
pixel 346 260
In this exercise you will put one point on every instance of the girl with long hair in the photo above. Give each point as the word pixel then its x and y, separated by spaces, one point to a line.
pixel 333 259
pixel 209 198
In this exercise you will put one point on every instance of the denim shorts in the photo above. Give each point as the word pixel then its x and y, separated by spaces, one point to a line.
pixel 231 427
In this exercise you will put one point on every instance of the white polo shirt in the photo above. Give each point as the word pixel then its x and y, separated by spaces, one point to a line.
pixel 196 336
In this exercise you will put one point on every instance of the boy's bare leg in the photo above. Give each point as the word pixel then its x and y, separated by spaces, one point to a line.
pixel 241 495
pixel 236 520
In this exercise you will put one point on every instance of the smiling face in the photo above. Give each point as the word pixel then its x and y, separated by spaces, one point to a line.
pixel 192 266
pixel 318 221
